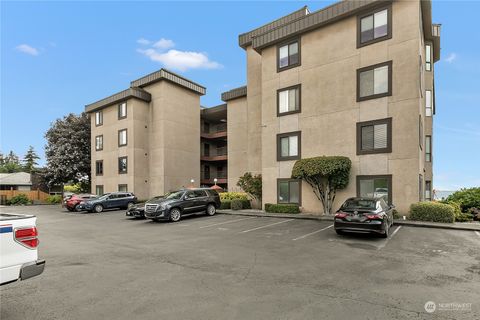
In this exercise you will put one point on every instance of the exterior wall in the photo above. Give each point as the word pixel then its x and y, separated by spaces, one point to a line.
pixel 237 141
pixel 329 110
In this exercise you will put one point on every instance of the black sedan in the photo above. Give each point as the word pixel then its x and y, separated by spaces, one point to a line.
pixel 365 215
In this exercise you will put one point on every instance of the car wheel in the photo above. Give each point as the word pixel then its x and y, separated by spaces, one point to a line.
pixel 175 215
pixel 130 205
pixel 98 208
pixel 77 208
pixel 69 209
pixel 340 232
pixel 387 231
pixel 211 209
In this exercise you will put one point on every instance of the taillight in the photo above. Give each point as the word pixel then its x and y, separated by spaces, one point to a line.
pixel 374 217
pixel 27 237
pixel 340 215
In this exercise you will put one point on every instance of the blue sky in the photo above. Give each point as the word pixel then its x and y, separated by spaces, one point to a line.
pixel 58 56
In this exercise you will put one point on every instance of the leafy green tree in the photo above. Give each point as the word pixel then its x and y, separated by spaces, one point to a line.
pixel 10 163
pixel 466 198
pixel 30 160
pixel 252 185
pixel 325 175
pixel 68 150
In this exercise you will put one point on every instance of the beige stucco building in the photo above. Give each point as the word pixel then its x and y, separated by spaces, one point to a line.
pixel 355 79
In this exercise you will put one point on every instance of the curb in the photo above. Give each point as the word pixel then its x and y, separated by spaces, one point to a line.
pixel 417 224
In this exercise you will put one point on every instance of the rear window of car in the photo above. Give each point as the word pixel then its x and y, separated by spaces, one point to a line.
pixel 360 204
pixel 200 193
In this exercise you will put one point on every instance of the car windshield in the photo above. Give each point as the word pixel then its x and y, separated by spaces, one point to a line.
pixel 174 195
pixel 359 204
pixel 104 197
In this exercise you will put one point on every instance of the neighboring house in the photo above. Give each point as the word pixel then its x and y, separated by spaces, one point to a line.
pixel 355 79
pixel 20 181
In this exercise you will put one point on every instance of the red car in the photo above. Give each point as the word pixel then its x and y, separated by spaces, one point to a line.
pixel 71 203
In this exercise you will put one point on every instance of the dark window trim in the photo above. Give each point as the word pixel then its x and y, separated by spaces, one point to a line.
pixel 96 168
pixel 126 169
pixel 119 110
pixel 383 176
pixel 299 190
pixel 279 146
pixel 431 149
pixel 122 184
pixel 288 42
pixel 372 67
pixel 126 137
pixel 369 13
pixel 429 189
pixel 98 149
pixel 297 86
pixel 101 117
pixel 388 149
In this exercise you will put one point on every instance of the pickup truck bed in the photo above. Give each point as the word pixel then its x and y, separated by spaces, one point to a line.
pixel 18 248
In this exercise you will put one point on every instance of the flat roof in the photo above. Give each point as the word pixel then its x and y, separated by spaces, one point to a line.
pixel 234 93
pixel 137 93
pixel 164 74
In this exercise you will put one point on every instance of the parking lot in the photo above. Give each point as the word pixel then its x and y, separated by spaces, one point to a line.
pixel 108 266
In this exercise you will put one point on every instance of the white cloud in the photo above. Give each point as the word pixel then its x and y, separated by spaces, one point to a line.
pixel 451 57
pixel 164 44
pixel 181 60
pixel 25 48
pixel 143 41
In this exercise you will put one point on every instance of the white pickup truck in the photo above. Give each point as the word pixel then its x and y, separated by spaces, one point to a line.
pixel 18 248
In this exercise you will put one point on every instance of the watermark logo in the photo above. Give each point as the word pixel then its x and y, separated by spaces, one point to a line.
pixel 430 306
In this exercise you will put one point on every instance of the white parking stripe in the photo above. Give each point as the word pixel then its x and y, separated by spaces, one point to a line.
pixel 388 239
pixel 311 233
pixel 225 222
pixel 266 226
pixel 478 233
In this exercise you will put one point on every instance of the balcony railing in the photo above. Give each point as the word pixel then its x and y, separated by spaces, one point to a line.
pixel 216 128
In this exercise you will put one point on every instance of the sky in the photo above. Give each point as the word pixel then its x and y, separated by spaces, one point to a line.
pixel 56 57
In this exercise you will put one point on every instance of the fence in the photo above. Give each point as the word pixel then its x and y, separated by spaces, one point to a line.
pixel 34 195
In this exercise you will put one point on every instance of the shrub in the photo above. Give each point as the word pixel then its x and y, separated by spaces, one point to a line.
pixel 246 204
pixel 74 188
pixel 252 185
pixel 19 200
pixel 225 204
pixel 432 211
pixel 467 198
pixel 475 212
pixel 233 196
pixel 396 215
pixel 54 199
pixel 236 204
pixel 282 208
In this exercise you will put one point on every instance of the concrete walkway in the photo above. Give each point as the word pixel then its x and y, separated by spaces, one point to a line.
pixel 468 226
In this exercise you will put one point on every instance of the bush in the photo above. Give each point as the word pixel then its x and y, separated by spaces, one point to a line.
pixel 475 212
pixel 246 204
pixel 74 188
pixel 467 198
pixel 432 211
pixel 282 208
pixel 233 196
pixel 396 215
pixel 225 204
pixel 236 204
pixel 54 199
pixel 19 200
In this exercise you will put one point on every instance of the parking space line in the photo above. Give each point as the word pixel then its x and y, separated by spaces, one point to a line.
pixel 478 233
pixel 312 233
pixel 266 226
pixel 381 246
pixel 225 222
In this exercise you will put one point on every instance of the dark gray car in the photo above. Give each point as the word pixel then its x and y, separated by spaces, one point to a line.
pixel 183 202
pixel 114 200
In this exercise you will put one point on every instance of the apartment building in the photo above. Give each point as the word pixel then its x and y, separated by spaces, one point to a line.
pixel 145 139
pixel 354 79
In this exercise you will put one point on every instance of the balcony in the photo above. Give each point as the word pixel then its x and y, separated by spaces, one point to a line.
pixel 215 132
pixel 208 178
pixel 219 154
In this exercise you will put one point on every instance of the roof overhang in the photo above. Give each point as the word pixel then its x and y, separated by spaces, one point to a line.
pixel 137 93
pixel 217 113
pixel 234 93
pixel 164 74
pixel 431 31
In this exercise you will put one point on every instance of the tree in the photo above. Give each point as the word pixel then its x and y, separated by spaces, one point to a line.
pixel 467 198
pixel 325 175
pixel 30 160
pixel 10 163
pixel 252 185
pixel 68 150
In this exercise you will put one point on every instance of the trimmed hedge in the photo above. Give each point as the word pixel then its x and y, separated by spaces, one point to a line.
pixel 55 199
pixel 233 196
pixel 432 211
pixel 282 208
pixel 236 204
pixel 225 204
pixel 246 204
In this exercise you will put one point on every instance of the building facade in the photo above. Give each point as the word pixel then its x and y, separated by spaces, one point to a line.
pixel 355 79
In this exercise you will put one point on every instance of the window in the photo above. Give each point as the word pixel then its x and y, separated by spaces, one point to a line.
pixel 122 110
pixel 122 164
pixel 98 118
pixel 199 193
pixel 428 57
pixel 288 146
pixel 375 186
pixel 99 167
pixel 123 188
pixel 122 137
pixel 99 190
pixel 99 143
pixel 374 81
pixel 420 187
pixel 374 136
pixel 374 27
pixel 420 131
pixel 428 103
pixel 288 100
pixel 428 148
pixel 428 190
pixel 288 55
pixel 288 191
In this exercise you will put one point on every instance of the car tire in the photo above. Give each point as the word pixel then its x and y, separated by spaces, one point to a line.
pixel 130 205
pixel 70 209
pixel 76 208
pixel 211 210
pixel 340 232
pixel 98 208
pixel 175 214
pixel 387 231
